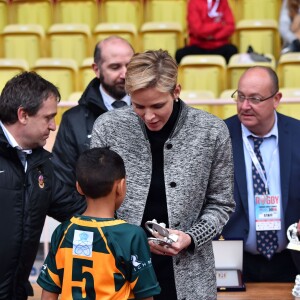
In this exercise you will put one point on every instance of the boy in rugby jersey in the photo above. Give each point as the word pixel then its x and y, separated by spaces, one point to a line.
pixel 94 255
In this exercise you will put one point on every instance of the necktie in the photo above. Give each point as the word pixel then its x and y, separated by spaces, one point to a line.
pixel 23 156
pixel 119 103
pixel 267 241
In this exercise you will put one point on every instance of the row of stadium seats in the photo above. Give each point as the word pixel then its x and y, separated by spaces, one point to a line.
pixel 76 41
pixel 92 12
pixel 196 72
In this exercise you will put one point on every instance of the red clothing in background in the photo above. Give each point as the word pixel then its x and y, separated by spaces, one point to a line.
pixel 209 32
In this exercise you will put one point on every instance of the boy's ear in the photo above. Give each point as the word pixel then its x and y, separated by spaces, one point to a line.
pixel 79 190
pixel 121 188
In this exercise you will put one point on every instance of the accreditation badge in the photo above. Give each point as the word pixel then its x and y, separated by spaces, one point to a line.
pixel 267 212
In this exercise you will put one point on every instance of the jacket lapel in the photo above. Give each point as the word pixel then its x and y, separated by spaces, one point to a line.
pixel 239 164
pixel 285 146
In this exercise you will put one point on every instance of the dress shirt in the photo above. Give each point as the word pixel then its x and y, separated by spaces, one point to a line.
pixel 270 155
pixel 108 100
pixel 11 140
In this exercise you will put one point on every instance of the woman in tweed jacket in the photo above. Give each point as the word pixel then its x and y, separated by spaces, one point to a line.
pixel 179 171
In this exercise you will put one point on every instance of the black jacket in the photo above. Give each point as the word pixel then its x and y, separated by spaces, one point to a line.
pixel 74 133
pixel 25 200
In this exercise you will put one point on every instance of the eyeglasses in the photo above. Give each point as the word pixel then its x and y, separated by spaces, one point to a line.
pixel 238 97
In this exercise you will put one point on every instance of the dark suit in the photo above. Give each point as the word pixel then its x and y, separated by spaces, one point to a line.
pixel 289 155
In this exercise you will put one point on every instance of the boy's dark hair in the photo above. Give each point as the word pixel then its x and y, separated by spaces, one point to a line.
pixel 28 90
pixel 97 169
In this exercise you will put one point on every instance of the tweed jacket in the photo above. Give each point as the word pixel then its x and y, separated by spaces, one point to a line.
pixel 198 181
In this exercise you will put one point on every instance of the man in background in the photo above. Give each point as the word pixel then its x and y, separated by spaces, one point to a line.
pixel 105 92
pixel 267 170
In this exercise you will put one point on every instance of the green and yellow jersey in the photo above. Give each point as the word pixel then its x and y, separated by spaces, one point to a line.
pixel 92 258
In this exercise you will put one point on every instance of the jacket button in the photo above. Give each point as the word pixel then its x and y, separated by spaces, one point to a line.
pixel 169 146
pixel 177 262
pixel 177 224
pixel 173 184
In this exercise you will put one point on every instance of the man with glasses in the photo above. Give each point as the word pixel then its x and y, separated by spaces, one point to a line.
pixel 266 151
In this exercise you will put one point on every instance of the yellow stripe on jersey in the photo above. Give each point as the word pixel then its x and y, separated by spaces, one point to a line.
pixel 54 277
pixel 88 223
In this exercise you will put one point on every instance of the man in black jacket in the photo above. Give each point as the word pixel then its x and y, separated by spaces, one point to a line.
pixel 29 190
pixel 105 92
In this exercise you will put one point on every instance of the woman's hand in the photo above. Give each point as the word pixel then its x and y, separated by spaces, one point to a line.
pixel 184 240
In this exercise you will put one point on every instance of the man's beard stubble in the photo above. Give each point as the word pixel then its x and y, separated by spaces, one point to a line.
pixel 113 90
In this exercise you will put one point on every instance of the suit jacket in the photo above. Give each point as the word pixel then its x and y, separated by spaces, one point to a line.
pixel 289 156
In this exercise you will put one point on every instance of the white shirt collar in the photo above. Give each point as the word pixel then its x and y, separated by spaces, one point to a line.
pixel 11 140
pixel 108 100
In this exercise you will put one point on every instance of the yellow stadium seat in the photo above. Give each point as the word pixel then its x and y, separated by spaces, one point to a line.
pixel 23 41
pixel 70 41
pixel 290 103
pixel 288 70
pixel 226 94
pixel 206 72
pixel 9 68
pixel 3 21
pixel 74 97
pixel 122 11
pixel 239 63
pixel 291 109
pixel 32 12
pixel 77 11
pixel 85 73
pixel 161 35
pixel 290 92
pixel 262 35
pixel 127 31
pixel 3 14
pixel 258 9
pixel 194 97
pixel 61 72
pixel 235 6
pixel 166 11
pixel 228 109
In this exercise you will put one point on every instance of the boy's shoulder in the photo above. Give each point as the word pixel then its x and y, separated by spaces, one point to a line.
pixel 132 228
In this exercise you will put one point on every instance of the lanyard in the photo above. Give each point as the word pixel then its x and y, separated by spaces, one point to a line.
pixel 256 162
pixel 212 9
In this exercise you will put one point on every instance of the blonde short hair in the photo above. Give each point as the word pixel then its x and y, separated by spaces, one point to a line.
pixel 153 68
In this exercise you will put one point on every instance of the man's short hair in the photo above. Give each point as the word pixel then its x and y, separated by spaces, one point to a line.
pixel 28 90
pixel 97 169
pixel 98 48
pixel 272 74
